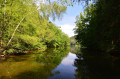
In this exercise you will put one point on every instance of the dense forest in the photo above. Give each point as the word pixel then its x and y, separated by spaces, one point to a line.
pixel 98 27
pixel 25 25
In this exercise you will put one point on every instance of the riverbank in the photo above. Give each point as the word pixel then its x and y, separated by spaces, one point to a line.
pixel 5 52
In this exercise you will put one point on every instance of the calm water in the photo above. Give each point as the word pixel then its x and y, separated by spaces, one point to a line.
pixel 61 63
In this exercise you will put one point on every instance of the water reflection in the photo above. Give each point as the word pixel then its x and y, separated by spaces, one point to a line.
pixel 96 65
pixel 61 64
pixel 74 49
pixel 66 69
pixel 33 66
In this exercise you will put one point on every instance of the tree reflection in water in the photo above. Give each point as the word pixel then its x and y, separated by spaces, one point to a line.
pixel 37 65
pixel 96 65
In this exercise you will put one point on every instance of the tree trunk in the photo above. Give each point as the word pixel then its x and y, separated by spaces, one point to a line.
pixel 15 31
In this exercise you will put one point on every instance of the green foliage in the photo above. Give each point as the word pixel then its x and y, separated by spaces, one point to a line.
pixel 10 51
pixel 83 27
pixel 98 27
pixel 58 39
pixel 30 20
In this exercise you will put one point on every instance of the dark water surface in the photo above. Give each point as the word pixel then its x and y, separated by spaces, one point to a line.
pixel 61 63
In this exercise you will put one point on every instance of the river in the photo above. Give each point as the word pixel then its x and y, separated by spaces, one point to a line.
pixel 60 63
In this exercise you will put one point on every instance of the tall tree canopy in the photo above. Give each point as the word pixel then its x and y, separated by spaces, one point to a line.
pixel 98 27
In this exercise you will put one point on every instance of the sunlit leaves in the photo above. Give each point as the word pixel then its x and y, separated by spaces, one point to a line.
pixel 34 30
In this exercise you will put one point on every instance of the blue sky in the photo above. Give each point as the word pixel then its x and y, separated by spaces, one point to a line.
pixel 67 22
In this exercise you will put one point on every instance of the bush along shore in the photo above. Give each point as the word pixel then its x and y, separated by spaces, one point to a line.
pixel 22 43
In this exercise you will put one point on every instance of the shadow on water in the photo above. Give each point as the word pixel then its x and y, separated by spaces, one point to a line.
pixel 34 66
pixel 96 65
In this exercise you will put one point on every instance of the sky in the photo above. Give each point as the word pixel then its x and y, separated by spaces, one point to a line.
pixel 67 23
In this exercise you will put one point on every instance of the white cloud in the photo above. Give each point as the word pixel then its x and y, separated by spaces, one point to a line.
pixel 68 29
pixel 69 59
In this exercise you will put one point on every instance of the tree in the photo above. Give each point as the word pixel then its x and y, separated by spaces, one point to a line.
pixel 26 23
pixel 102 29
